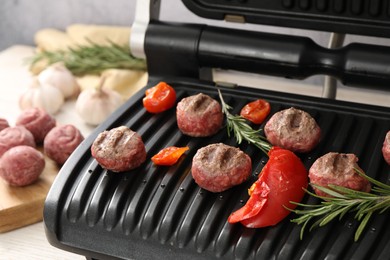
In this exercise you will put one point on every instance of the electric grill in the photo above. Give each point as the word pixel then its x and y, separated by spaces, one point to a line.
pixel 159 212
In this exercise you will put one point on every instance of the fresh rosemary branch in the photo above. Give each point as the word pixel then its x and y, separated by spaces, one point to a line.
pixel 344 200
pixel 242 130
pixel 92 59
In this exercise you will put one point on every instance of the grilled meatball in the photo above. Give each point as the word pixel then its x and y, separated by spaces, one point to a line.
pixel 119 149
pixel 386 148
pixel 218 167
pixel 293 129
pixel 199 115
pixel 21 165
pixel 3 124
pixel 338 169
pixel 37 121
pixel 61 141
pixel 15 136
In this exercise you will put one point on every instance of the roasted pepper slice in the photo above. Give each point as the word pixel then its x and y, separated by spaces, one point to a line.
pixel 169 155
pixel 159 98
pixel 281 181
pixel 256 111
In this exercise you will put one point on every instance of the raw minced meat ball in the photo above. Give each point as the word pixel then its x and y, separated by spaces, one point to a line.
pixel 61 141
pixel 37 121
pixel 14 136
pixel 3 124
pixel 21 165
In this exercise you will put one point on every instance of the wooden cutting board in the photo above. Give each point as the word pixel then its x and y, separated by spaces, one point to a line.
pixel 22 206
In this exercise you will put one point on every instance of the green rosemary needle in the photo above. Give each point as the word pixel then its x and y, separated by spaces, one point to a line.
pixel 242 130
pixel 344 201
pixel 92 58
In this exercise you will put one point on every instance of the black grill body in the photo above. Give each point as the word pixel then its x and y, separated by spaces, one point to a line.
pixel 361 17
pixel 153 212
pixel 160 212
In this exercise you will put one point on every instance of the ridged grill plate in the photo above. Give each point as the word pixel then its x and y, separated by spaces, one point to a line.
pixel 160 212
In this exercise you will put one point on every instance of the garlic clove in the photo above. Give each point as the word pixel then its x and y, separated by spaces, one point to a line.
pixel 46 97
pixel 57 75
pixel 95 105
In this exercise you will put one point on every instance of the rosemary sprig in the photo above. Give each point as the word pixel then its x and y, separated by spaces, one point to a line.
pixel 344 201
pixel 91 59
pixel 242 130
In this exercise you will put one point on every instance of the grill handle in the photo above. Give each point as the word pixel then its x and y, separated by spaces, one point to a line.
pixel 181 50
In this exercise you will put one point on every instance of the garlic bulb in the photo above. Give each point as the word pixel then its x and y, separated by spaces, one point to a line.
pixel 60 77
pixel 46 97
pixel 95 105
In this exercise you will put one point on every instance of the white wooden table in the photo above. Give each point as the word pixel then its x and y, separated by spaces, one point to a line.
pixel 30 242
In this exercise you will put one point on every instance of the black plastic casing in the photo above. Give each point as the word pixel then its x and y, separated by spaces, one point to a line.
pixel 155 212
pixel 182 50
pixel 361 17
pixel 160 212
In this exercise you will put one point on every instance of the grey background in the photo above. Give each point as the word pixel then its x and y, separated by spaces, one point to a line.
pixel 21 19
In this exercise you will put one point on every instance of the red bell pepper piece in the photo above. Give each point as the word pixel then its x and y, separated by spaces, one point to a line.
pixel 256 111
pixel 169 155
pixel 282 180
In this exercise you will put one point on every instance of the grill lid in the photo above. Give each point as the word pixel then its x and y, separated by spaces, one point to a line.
pixel 343 16
pixel 190 50
pixel 153 212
